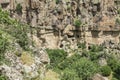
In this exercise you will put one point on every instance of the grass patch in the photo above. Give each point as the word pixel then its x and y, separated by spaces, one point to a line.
pixel 27 58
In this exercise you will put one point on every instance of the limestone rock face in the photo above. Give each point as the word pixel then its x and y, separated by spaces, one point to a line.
pixel 99 77
pixel 25 66
pixel 99 20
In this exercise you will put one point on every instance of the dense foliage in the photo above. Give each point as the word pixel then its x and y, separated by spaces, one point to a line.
pixel 14 28
pixel 83 66
pixel 12 31
pixel 3 45
pixel 106 70
pixel 56 56
pixel 2 77
pixel 71 68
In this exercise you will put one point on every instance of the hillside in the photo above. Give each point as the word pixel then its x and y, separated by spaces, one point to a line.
pixel 59 40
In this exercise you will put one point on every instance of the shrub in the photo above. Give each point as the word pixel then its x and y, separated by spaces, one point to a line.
pixel 117 71
pixel 113 63
pixel 19 8
pixel 106 70
pixel 77 23
pixel 118 21
pixel 56 56
pixel 4 18
pixel 81 45
pixel 57 1
pixel 68 62
pixel 15 29
pixel 3 77
pixel 96 48
pixel 3 42
pixel 3 45
pixel 119 11
pixel 85 68
pixel 114 79
pixel 69 74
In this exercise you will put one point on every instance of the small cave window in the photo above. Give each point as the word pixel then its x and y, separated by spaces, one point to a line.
pixel 4 5
pixel 110 26
pixel 61 45
pixel 89 47
pixel 73 39
pixel 78 36
pixel 69 36
pixel 78 11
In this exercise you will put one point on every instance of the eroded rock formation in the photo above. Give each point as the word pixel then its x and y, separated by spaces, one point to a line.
pixel 54 20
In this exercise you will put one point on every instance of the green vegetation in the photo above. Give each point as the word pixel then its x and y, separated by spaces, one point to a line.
pixel 71 68
pixel 4 18
pixel 2 77
pixel 57 1
pixel 11 31
pixel 56 56
pixel 83 66
pixel 118 21
pixel 15 29
pixel 96 48
pixel 106 70
pixel 81 45
pixel 114 64
pixel 119 11
pixel 77 23
pixel 19 8
pixel 3 42
pixel 3 46
pixel 69 74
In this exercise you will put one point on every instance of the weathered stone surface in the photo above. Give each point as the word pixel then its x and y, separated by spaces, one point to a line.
pixel 98 19
pixel 99 77
pixel 25 63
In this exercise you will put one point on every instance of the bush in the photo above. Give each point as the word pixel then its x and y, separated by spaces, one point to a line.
pixel 57 1
pixel 114 79
pixel 117 71
pixel 106 70
pixel 69 74
pixel 19 8
pixel 119 11
pixel 81 45
pixel 4 18
pixel 96 48
pixel 118 21
pixel 15 29
pixel 85 68
pixel 2 77
pixel 56 56
pixel 77 23
pixel 3 42
pixel 3 45
pixel 113 63
pixel 68 62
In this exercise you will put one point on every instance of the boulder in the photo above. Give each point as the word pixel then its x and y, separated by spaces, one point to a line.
pixel 99 77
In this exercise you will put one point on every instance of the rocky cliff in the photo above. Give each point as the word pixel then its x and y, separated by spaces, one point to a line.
pixel 57 21
pixel 55 24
